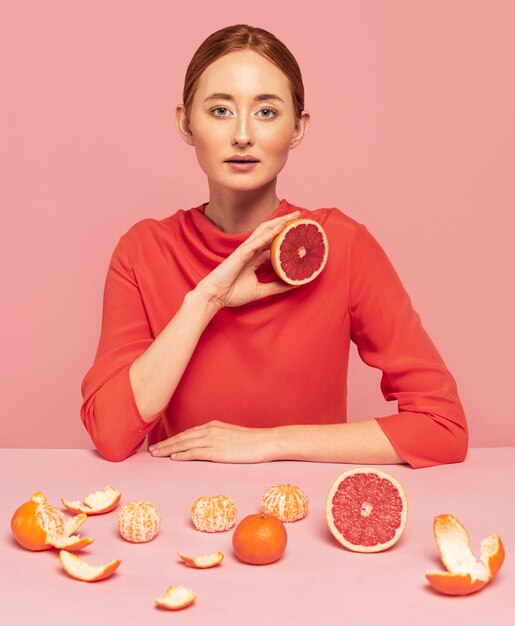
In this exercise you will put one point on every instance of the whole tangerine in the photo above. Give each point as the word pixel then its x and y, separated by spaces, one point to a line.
pixel 259 539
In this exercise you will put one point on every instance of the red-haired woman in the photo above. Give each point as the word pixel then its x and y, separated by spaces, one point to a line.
pixel 207 352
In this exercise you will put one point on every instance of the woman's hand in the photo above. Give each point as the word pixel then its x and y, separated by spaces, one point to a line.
pixel 234 281
pixel 217 441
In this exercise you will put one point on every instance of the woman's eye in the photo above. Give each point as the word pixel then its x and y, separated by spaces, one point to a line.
pixel 273 111
pixel 270 111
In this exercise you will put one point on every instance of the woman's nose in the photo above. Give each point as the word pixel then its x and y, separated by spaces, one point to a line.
pixel 242 132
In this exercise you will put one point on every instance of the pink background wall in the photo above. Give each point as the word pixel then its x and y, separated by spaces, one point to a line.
pixel 412 134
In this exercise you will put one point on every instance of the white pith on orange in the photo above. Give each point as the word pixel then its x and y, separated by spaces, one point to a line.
pixel 176 598
pixel 275 249
pixel 404 513
pixel 95 503
pixel 213 513
pixel 286 501
pixel 81 570
pixel 202 562
pixel 37 525
pixel 465 574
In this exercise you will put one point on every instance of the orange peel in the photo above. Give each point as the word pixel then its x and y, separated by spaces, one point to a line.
pixel 95 503
pixel 176 598
pixel 76 568
pixel 465 574
pixel 202 562
pixel 37 525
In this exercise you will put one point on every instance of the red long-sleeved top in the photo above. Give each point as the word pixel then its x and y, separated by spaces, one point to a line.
pixel 280 360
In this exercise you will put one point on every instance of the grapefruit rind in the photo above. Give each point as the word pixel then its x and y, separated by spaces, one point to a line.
pixel 465 574
pixel 95 503
pixel 329 514
pixel 202 562
pixel 275 249
pixel 176 597
pixel 80 570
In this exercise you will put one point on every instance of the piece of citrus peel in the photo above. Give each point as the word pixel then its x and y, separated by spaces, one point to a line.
pixel 95 503
pixel 176 598
pixel 465 574
pixel 202 562
pixel 76 568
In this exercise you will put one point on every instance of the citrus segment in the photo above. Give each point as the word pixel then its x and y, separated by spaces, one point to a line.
pixel 259 539
pixel 139 522
pixel 299 252
pixel 465 574
pixel 95 503
pixel 366 509
pixel 285 501
pixel 81 570
pixel 213 513
pixel 202 562
pixel 176 598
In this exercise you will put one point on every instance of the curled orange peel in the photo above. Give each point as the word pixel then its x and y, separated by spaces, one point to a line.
pixel 176 598
pixel 101 501
pixel 202 562
pixel 76 568
pixel 465 574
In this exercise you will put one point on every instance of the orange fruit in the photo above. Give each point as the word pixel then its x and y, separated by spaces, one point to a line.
pixel 176 598
pixel 81 570
pixel 202 562
pixel 139 522
pixel 285 501
pixel 37 525
pixel 366 509
pixel 465 574
pixel 95 503
pixel 299 252
pixel 259 539
pixel 213 513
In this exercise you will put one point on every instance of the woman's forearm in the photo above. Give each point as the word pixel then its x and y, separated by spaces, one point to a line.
pixel 356 442
pixel 155 374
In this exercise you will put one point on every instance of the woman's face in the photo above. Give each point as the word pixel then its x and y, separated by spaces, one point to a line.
pixel 237 122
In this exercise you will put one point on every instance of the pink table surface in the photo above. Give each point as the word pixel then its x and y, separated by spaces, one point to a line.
pixel 316 581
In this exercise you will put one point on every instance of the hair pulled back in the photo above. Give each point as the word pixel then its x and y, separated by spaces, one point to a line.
pixel 244 37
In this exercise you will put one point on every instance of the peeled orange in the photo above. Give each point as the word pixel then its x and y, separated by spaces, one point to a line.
pixel 366 509
pixel 139 522
pixel 299 252
pixel 37 525
pixel 285 501
pixel 465 574
pixel 213 513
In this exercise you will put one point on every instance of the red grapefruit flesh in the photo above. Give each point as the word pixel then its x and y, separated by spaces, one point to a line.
pixel 366 509
pixel 299 252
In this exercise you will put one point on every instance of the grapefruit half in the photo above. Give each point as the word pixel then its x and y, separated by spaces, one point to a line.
pixel 299 252
pixel 366 509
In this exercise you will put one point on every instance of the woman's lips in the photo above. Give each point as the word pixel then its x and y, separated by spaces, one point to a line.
pixel 242 166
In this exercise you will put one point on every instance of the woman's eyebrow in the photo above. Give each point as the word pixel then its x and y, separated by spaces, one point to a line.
pixel 227 96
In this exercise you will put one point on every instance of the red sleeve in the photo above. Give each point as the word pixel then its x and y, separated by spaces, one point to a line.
pixel 430 427
pixel 109 410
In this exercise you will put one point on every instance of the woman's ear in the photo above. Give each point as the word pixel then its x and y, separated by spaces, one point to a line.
pixel 301 128
pixel 183 124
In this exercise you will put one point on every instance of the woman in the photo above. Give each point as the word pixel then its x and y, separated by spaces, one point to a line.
pixel 205 350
